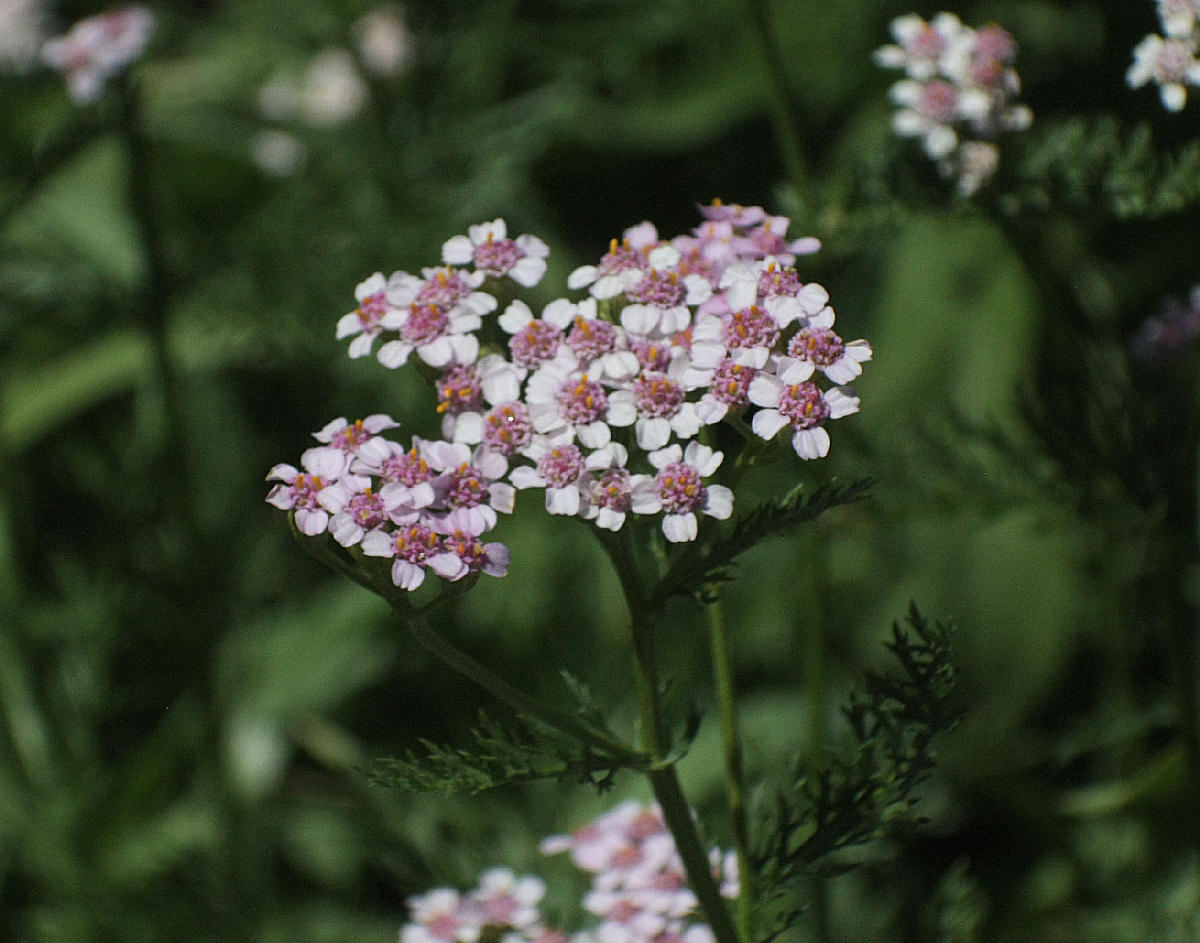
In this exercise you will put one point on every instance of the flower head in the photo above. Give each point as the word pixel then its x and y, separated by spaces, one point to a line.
pixel 97 48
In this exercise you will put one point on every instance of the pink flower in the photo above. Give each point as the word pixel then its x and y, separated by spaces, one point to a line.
pixel 309 492
pixel 679 490
pixel 414 547
pixel 789 400
pixel 522 259
pixel 374 314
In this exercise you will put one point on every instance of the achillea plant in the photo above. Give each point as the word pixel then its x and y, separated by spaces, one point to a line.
pixel 608 404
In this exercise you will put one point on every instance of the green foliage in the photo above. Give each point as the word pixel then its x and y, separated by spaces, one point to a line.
pixel 695 570
pixel 500 756
pixel 1090 164
pixel 801 826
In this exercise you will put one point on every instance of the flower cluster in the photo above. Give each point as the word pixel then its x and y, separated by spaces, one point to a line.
pixel 97 48
pixel 958 92
pixel 1169 331
pixel 600 401
pixel 638 894
pixel 1170 60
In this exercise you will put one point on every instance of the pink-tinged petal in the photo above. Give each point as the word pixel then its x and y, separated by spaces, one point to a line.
pixel 285 473
pixel 344 530
pixel 755 357
pixel 720 502
pixel 764 391
pixel 562 500
pixel 767 423
pixel 528 271
pixel 407 576
pixel 594 435
pixel 582 277
pixel 361 346
pixel 333 426
pixel 686 423
pixel 639 318
pixel 422 495
pixel 704 459
pixel 503 497
pixel 610 519
pixel 458 250
pixel 711 410
pixel 793 371
pixel 375 451
pixel 281 496
pixel 497 229
pixel 642 235
pixel 448 566
pixel 664 457
pixel 468 427
pixel 371 285
pixel 644 500
pixel 680 528
pixel 526 476
pixel 811 443
pixel 437 353
pixel 377 543
pixel 377 422
pixel 348 324
pixel 608 286
pixel 394 354
pixel 842 402
pixel 515 317
pixel 843 370
pixel 653 433
pixel 311 523
pixel 622 408
pixel 325 461
pixel 532 245
pixel 495 559
pixel 806 245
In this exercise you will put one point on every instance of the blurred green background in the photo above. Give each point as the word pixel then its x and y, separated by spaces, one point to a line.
pixel 187 700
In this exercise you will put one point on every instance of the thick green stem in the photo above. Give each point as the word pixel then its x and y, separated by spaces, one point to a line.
pixel 735 776
pixel 655 740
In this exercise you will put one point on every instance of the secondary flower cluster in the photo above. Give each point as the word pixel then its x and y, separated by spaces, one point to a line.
pixel 97 48
pixel 1176 326
pixel 597 401
pixel 639 892
pixel 958 92
pixel 1170 60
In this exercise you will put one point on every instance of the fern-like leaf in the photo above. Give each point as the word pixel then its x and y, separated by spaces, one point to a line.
pixel 1092 163
pixel 801 825
pixel 501 755
pixel 695 572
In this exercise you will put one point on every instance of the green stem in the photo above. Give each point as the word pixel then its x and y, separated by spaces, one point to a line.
pixel 735 776
pixel 783 105
pixel 599 740
pixel 464 664
pixel 663 777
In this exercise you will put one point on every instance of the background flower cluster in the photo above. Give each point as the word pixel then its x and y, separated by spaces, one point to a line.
pixel 638 891
pixel 958 94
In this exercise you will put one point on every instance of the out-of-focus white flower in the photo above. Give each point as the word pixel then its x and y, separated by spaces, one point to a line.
pixel 1170 63
pixel 97 48
pixel 384 42
pixel 22 32
pixel 333 91
pixel 958 93
pixel 278 153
